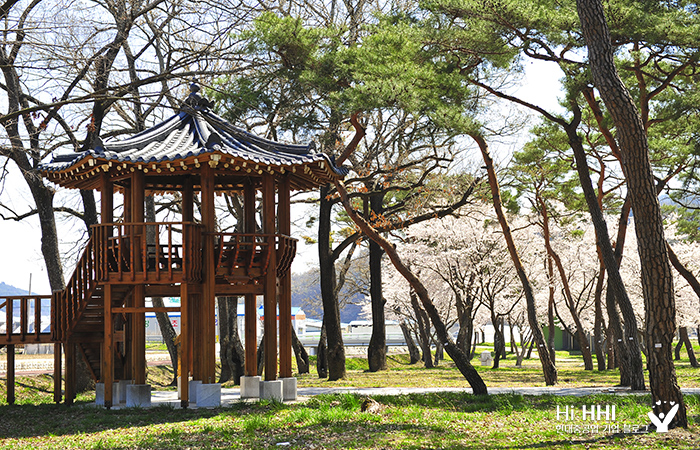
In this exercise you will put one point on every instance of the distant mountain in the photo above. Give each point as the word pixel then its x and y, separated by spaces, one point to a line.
pixel 306 294
pixel 7 290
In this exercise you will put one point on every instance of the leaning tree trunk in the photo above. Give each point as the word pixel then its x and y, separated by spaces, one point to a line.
pixel 331 311
pixel 423 331
pixel 685 340
pixel 599 323
pixel 548 369
pixel 413 351
pixel 627 344
pixel 657 280
pixel 458 356
pixel 300 354
pixel 231 352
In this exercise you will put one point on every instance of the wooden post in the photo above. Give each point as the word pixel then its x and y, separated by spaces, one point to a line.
pixel 208 298
pixel 187 200
pixel 285 283
pixel 106 200
pixel 270 303
pixel 10 372
pixel 185 341
pixel 138 319
pixel 108 347
pixel 70 372
pixel 251 310
pixel 57 363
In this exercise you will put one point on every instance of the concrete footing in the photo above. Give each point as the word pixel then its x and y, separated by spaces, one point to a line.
pixel 271 390
pixel 209 395
pixel 250 387
pixel 138 395
pixel 193 390
pixel 100 394
pixel 122 390
pixel 289 389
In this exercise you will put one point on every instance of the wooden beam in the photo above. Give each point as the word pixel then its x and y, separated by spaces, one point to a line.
pixel 285 283
pixel 270 302
pixel 145 309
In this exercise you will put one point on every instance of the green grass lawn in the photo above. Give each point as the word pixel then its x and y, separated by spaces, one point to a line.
pixel 429 421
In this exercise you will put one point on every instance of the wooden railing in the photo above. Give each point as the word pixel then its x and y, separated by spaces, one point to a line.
pixel 68 304
pixel 19 326
pixel 247 255
pixel 149 252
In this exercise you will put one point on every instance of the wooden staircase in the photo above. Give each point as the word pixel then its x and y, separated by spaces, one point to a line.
pixel 79 310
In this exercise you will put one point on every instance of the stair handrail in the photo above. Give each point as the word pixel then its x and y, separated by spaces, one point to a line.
pixel 70 302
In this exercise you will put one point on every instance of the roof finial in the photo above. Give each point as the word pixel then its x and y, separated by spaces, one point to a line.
pixel 196 100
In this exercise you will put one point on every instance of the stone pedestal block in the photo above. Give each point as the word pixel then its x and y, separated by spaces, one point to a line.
pixel 138 395
pixel 193 390
pixel 100 394
pixel 271 390
pixel 289 389
pixel 122 390
pixel 209 395
pixel 250 387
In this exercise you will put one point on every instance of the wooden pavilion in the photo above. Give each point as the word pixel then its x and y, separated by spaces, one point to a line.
pixel 101 311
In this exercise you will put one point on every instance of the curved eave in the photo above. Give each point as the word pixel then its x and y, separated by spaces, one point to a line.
pixel 87 169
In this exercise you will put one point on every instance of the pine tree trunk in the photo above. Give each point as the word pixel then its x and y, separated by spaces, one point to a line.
pixel 331 312
pixel 657 280
pixel 628 353
pixel 548 369
pixel 599 323
pixel 376 351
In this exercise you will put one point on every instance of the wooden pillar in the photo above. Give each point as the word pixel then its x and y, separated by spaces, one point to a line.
pixel 251 310
pixel 57 371
pixel 138 319
pixel 10 372
pixel 208 298
pixel 70 372
pixel 270 303
pixel 108 347
pixel 285 283
pixel 185 345
pixel 106 199
pixel 187 200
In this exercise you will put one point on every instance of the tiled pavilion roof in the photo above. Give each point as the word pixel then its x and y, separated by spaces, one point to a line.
pixel 178 146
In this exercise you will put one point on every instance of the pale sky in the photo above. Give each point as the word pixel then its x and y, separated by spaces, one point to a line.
pixel 20 243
